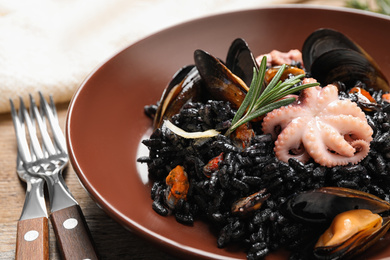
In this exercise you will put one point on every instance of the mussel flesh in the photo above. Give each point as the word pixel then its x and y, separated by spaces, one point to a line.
pixel 220 82
pixel 331 56
pixel 350 233
pixel 364 99
pixel 185 86
pixel 250 203
pixel 178 185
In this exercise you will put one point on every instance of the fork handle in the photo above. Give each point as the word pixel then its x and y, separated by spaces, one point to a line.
pixel 72 233
pixel 32 239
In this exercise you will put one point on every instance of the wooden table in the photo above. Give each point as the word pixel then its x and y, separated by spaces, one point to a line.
pixel 112 240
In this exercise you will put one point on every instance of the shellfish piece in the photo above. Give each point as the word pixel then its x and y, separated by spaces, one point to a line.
pixel 322 205
pixel 365 100
pixel 220 82
pixel 347 66
pixel 348 224
pixel 185 86
pixel 240 60
pixel 178 185
pixel 251 203
pixel 331 56
pixel 242 136
pixel 289 70
pixel 350 233
pixel 324 40
pixel 212 165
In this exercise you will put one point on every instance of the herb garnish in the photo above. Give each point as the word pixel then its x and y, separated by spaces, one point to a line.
pixel 260 100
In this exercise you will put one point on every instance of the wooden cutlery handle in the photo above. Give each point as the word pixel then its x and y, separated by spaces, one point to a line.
pixel 32 239
pixel 72 233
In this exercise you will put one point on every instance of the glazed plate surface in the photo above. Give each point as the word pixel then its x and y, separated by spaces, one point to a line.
pixel 106 122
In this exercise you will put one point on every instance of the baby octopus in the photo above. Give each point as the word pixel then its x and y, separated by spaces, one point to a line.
pixel 321 126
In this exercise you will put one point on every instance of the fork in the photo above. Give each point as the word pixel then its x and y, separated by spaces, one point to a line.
pixel 32 240
pixel 47 159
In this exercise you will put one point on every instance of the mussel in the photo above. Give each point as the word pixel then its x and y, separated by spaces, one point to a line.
pixel 185 86
pixel 209 77
pixel 330 56
pixel 351 233
pixel 220 82
pixel 240 60
pixel 322 205
pixel 354 217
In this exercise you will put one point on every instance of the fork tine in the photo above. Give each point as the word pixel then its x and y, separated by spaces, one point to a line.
pixel 23 147
pixel 36 147
pixel 51 115
pixel 47 143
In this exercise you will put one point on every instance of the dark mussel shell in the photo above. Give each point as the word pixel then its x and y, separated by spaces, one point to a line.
pixel 185 86
pixel 349 67
pixel 240 60
pixel 220 82
pixel 321 206
pixel 330 56
pixel 324 40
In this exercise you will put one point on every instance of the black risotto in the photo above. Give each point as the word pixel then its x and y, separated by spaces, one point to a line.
pixel 246 171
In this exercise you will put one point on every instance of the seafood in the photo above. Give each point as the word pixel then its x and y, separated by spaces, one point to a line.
pixel 209 78
pixel 330 56
pixel 221 83
pixel 350 233
pixel 251 203
pixel 322 205
pixel 185 86
pixel 212 165
pixel 364 99
pixel 241 61
pixel 320 126
pixel 238 184
pixel 356 224
pixel 177 182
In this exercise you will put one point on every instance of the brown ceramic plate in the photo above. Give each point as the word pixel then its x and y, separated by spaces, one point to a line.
pixel 106 122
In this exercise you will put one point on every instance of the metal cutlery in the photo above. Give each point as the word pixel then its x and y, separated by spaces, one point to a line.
pixel 32 240
pixel 44 154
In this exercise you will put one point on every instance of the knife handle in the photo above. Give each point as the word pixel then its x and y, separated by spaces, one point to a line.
pixel 72 233
pixel 32 239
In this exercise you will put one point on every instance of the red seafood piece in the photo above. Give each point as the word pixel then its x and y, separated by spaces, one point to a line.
pixel 243 135
pixel 177 181
pixel 212 165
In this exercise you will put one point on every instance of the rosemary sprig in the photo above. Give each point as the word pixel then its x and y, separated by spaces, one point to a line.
pixel 260 100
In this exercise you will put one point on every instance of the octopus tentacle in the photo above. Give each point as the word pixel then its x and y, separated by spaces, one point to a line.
pixel 349 125
pixel 334 141
pixel 289 142
pixel 323 156
pixel 344 107
pixel 281 118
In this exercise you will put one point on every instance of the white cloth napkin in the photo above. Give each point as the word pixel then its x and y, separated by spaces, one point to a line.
pixel 52 45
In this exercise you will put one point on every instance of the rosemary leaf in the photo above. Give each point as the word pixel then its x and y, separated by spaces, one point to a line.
pixel 261 100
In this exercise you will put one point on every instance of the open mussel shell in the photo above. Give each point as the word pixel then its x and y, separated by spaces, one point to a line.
pixel 220 82
pixel 349 67
pixel 324 40
pixel 321 206
pixel 240 60
pixel 185 86
pixel 331 56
